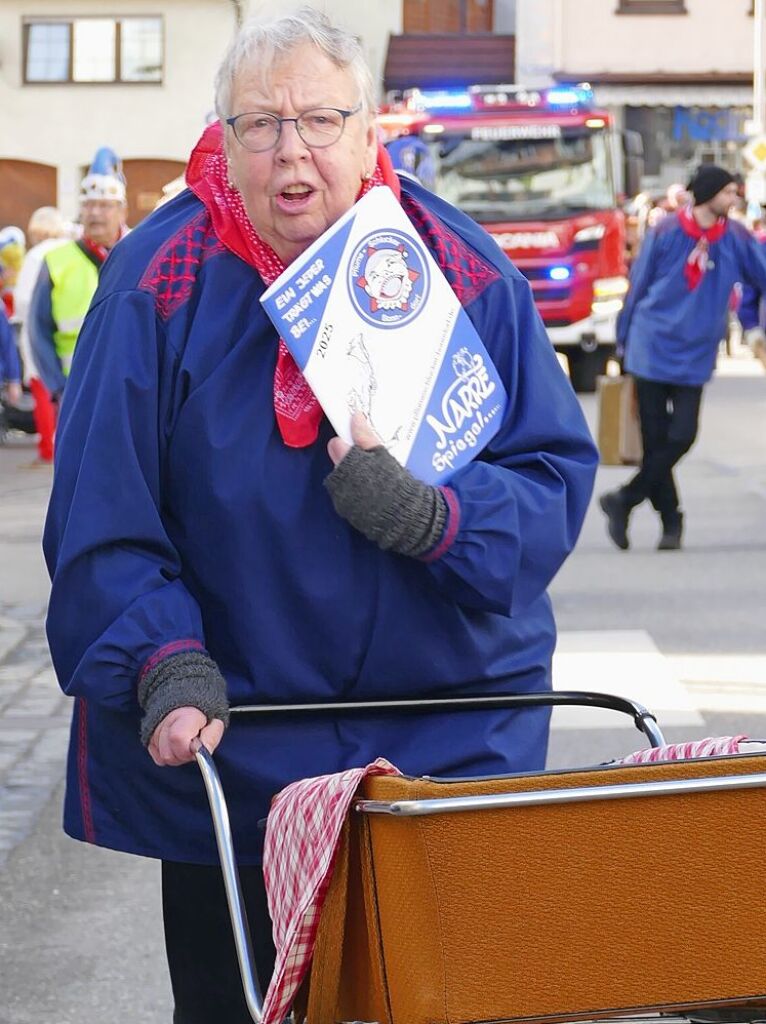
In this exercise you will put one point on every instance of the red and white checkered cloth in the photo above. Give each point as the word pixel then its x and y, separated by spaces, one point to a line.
pixel 710 747
pixel 302 833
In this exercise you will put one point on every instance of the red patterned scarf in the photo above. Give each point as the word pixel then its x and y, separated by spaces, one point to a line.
pixel 697 261
pixel 297 410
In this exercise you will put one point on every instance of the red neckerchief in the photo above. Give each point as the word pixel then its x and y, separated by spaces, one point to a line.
pixel 296 407
pixel 98 252
pixel 697 260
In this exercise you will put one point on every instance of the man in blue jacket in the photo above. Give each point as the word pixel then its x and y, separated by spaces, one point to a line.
pixel 669 332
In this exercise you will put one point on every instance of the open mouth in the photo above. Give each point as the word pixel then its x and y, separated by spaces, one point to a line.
pixel 296 193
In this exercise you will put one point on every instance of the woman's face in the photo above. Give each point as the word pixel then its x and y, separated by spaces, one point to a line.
pixel 293 193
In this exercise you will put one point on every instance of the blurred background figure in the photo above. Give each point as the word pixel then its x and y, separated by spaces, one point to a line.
pixel 676 197
pixel 47 230
pixel 412 156
pixel 637 213
pixel 739 209
pixel 68 274
pixel 669 330
pixel 10 370
pixel 171 190
pixel 12 249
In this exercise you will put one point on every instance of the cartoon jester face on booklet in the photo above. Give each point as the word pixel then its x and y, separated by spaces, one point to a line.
pixel 375 326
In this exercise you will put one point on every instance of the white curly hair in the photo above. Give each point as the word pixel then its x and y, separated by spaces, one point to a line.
pixel 260 44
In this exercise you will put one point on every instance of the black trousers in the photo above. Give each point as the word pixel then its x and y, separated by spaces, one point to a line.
pixel 202 959
pixel 669 415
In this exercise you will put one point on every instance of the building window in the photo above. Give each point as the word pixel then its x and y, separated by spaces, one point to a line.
pixel 92 50
pixel 651 7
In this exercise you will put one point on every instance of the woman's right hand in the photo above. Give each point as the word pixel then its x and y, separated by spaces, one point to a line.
pixel 170 743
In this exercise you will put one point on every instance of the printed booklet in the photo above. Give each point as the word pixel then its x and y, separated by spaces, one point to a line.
pixel 375 326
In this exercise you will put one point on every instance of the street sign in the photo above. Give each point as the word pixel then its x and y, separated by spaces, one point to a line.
pixel 755 152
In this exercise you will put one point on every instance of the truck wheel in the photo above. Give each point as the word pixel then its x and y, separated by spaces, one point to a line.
pixel 585 367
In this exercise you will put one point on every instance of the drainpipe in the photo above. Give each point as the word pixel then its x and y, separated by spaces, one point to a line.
pixel 239 11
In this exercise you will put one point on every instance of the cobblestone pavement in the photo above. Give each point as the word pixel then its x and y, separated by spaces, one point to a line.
pixel 34 716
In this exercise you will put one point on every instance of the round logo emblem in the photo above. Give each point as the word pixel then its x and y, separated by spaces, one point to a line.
pixel 388 279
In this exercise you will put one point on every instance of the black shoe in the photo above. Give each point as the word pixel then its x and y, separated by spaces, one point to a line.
pixel 617 514
pixel 672 530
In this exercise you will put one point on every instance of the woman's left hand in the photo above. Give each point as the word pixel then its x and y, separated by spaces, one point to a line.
pixel 381 498
pixel 362 434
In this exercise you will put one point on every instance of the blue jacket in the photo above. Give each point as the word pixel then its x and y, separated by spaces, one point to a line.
pixel 752 308
pixel 668 331
pixel 42 329
pixel 10 366
pixel 179 520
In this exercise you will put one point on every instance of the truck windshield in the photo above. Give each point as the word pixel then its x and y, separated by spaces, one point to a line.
pixel 517 179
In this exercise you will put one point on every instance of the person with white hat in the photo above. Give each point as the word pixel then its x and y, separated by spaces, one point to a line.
pixel 69 273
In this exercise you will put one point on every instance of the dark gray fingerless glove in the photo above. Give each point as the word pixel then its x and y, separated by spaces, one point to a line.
pixel 386 503
pixel 191 679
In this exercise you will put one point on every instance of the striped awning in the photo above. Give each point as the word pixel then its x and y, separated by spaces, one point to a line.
pixel 673 95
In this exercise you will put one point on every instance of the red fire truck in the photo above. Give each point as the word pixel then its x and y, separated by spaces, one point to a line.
pixel 540 169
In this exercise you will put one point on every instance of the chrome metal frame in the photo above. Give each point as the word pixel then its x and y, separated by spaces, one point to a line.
pixel 237 912
pixel 537 798
pixel 643 719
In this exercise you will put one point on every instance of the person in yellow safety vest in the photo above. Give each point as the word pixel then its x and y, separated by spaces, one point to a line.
pixel 69 273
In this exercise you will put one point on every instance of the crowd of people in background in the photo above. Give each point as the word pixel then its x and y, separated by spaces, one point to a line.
pixel 48 277
pixel 39 325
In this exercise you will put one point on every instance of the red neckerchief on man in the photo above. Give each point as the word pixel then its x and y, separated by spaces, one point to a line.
pixel 98 253
pixel 296 407
pixel 697 261
pixel 95 253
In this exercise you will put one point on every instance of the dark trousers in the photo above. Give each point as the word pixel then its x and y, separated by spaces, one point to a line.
pixel 669 415
pixel 204 974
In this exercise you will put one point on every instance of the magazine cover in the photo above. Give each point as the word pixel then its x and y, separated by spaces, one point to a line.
pixel 375 327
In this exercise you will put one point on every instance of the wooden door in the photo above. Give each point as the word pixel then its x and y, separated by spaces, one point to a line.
pixel 24 186
pixel 145 180
pixel 445 16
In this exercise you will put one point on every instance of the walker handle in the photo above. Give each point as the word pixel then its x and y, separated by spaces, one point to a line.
pixel 643 719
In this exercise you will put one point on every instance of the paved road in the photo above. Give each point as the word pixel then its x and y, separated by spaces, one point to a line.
pixel 80 942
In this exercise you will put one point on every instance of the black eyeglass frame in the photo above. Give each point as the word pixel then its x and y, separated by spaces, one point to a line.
pixel 345 114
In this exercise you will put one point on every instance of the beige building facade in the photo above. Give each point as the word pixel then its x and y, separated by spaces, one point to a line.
pixel 134 75
pixel 678 71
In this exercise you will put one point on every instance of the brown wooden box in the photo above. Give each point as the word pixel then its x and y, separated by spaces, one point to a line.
pixel 548 913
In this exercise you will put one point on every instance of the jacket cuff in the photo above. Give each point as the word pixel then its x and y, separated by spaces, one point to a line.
pixel 190 679
pixel 450 526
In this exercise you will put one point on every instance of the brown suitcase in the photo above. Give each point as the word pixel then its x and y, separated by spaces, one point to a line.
pixel 619 432
pixel 624 900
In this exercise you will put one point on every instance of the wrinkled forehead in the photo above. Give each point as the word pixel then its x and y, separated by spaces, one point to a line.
pixel 302 76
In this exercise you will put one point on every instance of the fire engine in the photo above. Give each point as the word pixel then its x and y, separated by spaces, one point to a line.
pixel 540 170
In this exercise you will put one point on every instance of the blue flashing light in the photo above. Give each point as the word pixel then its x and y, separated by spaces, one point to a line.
pixel 444 99
pixel 569 96
pixel 559 273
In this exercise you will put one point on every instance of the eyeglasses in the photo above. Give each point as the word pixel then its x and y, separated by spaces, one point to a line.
pixel 318 128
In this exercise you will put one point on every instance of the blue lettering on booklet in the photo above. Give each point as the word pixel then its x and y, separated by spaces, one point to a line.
pixel 297 308
pixel 388 279
pixel 464 409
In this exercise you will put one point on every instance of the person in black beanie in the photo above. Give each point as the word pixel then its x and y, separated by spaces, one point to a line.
pixel 668 333
pixel 707 181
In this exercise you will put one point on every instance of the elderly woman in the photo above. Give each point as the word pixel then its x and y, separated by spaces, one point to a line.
pixel 201 543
